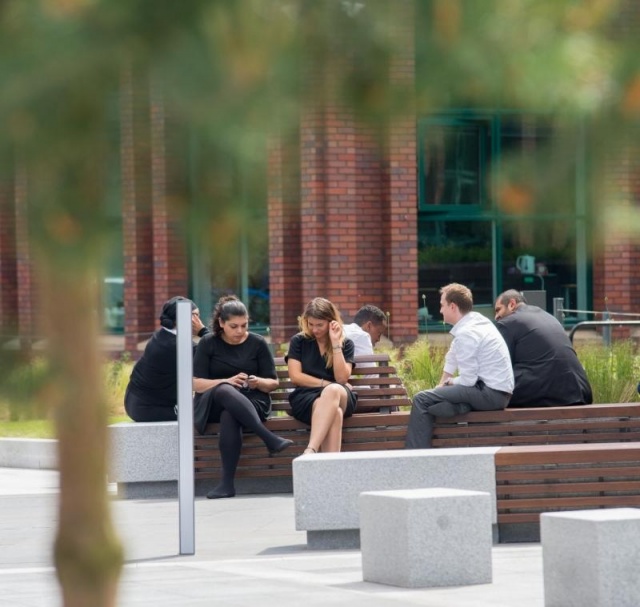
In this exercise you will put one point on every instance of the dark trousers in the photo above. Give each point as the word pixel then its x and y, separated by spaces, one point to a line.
pixel 448 401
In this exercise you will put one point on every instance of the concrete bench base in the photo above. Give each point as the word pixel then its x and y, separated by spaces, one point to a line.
pixel 169 489
pixel 327 486
pixel 35 453
pixel 591 558
pixel 426 537
pixel 144 464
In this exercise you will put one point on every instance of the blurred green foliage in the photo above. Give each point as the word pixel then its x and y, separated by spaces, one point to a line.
pixel 614 372
pixel 234 74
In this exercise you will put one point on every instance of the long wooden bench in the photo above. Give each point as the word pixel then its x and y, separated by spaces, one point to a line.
pixel 546 478
pixel 377 424
pixel 603 423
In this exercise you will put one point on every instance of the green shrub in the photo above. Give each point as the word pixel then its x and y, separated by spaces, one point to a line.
pixel 24 391
pixel 116 378
pixel 613 371
pixel 420 365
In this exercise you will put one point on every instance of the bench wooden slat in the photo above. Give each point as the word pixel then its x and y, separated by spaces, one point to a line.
pixel 509 475
pixel 547 413
pixel 557 454
pixel 536 439
pixel 585 425
pixel 538 478
pixel 512 518
pixel 568 502
pixel 539 489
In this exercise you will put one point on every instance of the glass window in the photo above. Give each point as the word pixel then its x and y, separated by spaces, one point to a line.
pixel 454 251
pixel 498 209
pixel 453 162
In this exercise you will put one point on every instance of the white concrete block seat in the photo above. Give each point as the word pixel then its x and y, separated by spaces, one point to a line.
pixel 327 486
pixel 418 538
pixel 591 558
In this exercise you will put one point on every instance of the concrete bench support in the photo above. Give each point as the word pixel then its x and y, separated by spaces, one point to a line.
pixel 591 558
pixel 426 537
pixel 144 458
pixel 326 486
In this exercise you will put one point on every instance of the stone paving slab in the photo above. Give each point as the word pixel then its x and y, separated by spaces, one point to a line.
pixel 248 553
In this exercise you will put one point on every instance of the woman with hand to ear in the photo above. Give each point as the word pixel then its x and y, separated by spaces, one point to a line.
pixel 320 361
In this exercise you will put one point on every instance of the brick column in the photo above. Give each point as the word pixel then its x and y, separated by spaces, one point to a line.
pixel 27 289
pixel 401 220
pixel 616 275
pixel 358 207
pixel 8 261
pixel 140 309
pixel 285 266
pixel 170 272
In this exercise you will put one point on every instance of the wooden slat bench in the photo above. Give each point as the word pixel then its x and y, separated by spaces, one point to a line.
pixel 377 424
pixel 601 423
pixel 546 478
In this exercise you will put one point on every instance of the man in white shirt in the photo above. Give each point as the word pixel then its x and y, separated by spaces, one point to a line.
pixel 367 327
pixel 479 355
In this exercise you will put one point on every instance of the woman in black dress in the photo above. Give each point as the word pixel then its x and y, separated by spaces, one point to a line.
pixel 233 373
pixel 320 360
pixel 152 392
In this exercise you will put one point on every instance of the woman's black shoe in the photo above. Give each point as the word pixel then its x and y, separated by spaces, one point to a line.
pixel 216 494
pixel 284 443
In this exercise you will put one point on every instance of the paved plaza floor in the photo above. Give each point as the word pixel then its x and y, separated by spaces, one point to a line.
pixel 248 553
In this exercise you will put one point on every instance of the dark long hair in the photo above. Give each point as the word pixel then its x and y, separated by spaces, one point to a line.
pixel 227 306
pixel 169 309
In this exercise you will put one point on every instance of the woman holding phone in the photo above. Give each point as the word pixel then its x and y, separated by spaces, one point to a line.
pixel 233 374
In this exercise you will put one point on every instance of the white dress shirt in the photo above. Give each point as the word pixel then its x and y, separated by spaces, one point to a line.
pixel 360 338
pixel 478 351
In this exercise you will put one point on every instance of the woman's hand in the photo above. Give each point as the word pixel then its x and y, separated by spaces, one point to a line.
pixel 239 380
pixel 335 333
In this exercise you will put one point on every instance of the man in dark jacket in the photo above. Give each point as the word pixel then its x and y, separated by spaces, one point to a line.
pixel 545 366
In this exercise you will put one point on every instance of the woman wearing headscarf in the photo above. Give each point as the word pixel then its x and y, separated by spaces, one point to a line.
pixel 152 393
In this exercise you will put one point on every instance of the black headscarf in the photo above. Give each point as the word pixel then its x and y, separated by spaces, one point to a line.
pixel 169 309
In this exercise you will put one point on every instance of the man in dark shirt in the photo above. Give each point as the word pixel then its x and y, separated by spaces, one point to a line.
pixel 545 366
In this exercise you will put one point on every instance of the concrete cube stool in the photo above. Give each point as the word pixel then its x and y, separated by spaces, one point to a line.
pixel 426 537
pixel 591 558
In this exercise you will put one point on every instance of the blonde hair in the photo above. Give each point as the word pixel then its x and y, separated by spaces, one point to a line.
pixel 320 309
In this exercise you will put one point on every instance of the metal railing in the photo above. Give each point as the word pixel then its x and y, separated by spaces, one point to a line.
pixel 607 320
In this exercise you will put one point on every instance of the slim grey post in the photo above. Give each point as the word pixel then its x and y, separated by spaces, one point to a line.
pixel 186 482
pixel 558 309
pixel 606 330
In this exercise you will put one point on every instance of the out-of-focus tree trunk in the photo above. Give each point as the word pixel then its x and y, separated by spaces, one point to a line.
pixel 88 555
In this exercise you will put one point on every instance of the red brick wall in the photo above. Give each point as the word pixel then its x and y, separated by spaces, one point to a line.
pixel 8 262
pixel 285 265
pixel 140 313
pixel 357 211
pixel 402 220
pixel 27 289
pixel 616 275
pixel 155 266
pixel 168 191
